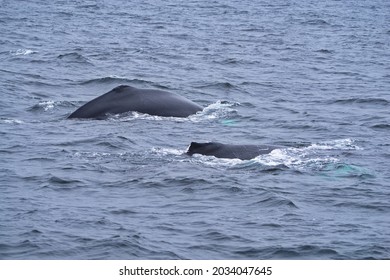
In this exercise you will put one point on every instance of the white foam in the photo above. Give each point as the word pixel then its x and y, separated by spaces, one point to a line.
pixel 11 121
pixel 279 157
pixel 338 144
pixel 130 116
pixel 219 104
pixel 47 105
pixel 168 151
pixel 217 110
pixel 91 155
pixel 117 77
pixel 22 52
pixel 294 158
pixel 216 162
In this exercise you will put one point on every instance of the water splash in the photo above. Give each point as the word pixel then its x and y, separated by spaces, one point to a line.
pixel 50 105
pixel 317 156
pixel 297 158
pixel 47 105
pixel 131 116
pixel 220 110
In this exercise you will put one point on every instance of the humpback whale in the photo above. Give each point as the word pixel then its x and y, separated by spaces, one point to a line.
pixel 220 150
pixel 126 99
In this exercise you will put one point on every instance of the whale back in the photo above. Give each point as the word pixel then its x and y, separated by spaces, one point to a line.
pixel 219 150
pixel 148 101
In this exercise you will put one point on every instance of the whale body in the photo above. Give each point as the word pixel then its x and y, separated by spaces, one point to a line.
pixel 219 150
pixel 148 101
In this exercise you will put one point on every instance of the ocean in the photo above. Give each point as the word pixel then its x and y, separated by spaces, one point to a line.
pixel 310 76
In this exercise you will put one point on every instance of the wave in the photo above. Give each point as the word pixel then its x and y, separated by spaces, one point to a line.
pixel 93 6
pixel 18 250
pixel 233 61
pixel 320 22
pixel 216 85
pixel 62 184
pixel 114 80
pixel 370 100
pixel 74 57
pixel 276 201
pixel 325 51
pixel 382 126
pixel 297 252
pixel 377 206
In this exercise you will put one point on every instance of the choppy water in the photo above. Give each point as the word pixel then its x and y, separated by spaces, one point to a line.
pixel 311 76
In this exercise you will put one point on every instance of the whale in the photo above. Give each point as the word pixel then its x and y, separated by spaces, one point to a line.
pixel 229 151
pixel 126 98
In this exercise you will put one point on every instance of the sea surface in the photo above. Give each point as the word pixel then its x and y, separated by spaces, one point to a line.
pixel 310 76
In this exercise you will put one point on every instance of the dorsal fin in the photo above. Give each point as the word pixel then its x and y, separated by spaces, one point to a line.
pixel 196 148
pixel 192 147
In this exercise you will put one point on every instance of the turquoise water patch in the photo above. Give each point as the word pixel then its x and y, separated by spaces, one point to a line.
pixel 346 170
pixel 229 122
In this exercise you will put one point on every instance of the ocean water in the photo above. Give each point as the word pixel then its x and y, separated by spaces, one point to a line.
pixel 310 76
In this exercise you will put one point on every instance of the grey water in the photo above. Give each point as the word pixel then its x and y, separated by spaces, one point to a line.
pixel 310 76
